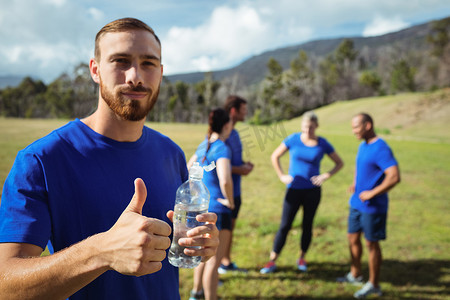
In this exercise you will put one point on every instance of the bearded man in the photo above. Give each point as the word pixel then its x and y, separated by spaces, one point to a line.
pixel 73 188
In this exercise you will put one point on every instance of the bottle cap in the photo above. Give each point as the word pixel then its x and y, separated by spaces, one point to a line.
pixel 196 170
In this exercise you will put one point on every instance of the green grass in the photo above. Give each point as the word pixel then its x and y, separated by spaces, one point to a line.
pixel 416 254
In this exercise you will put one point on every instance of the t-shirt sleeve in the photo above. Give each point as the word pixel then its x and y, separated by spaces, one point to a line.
pixel 24 212
pixel 288 142
pixel 223 152
pixel 234 142
pixel 327 147
pixel 385 158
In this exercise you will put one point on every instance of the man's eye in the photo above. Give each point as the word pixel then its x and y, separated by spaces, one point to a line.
pixel 149 63
pixel 120 60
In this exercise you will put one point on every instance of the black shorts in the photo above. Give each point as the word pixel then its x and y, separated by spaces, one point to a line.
pixel 223 221
pixel 237 207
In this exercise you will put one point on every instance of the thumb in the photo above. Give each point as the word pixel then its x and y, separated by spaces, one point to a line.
pixel 139 197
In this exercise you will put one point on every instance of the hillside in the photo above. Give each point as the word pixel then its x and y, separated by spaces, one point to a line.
pixel 410 116
pixel 254 69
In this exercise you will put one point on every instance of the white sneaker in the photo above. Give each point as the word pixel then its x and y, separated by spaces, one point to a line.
pixel 349 278
pixel 366 290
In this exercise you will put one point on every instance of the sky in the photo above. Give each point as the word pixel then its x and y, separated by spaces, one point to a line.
pixel 46 38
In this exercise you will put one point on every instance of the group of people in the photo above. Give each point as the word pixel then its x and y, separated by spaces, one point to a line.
pixel 102 190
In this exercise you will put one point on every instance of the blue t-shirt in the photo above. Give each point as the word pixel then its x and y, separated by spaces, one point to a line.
pixel 217 150
pixel 235 145
pixel 371 162
pixel 304 161
pixel 75 183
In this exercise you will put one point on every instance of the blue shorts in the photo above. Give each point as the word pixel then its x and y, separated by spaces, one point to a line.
pixel 373 225
pixel 223 221
pixel 237 207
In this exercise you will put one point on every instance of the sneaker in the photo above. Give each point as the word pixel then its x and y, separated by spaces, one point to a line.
pixel 351 279
pixel 301 265
pixel 230 268
pixel 366 290
pixel 197 295
pixel 270 267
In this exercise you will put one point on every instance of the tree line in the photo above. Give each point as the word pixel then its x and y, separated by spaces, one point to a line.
pixel 309 82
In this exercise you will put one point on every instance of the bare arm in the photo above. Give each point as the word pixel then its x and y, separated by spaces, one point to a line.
pixel 191 161
pixel 243 169
pixel 275 158
pixel 391 178
pixel 135 245
pixel 338 164
pixel 225 181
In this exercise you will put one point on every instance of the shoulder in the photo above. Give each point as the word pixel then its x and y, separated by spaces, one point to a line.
pixel 233 139
pixel 166 143
pixel 52 140
pixel 324 142
pixel 222 149
pixel 292 138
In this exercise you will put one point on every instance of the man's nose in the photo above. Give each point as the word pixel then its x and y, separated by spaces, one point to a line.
pixel 133 76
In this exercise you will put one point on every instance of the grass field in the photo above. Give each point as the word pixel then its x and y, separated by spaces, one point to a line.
pixel 416 254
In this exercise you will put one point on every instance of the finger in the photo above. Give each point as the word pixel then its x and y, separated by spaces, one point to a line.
pixel 209 229
pixel 199 241
pixel 153 255
pixel 139 197
pixel 149 268
pixel 206 253
pixel 158 242
pixel 207 217
pixel 158 227
pixel 169 215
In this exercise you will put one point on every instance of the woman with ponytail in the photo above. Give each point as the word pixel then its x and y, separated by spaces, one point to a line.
pixel 220 186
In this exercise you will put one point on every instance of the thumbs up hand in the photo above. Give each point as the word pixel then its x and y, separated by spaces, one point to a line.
pixel 136 245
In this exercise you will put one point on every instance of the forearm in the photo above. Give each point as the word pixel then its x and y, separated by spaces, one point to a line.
pixel 226 187
pixel 51 277
pixel 338 164
pixel 240 170
pixel 277 166
pixel 384 187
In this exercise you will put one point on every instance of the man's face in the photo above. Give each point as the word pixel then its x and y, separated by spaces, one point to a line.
pixel 358 127
pixel 129 72
pixel 241 113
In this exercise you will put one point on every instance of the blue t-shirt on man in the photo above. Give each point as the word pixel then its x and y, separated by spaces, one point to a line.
pixel 235 145
pixel 371 162
pixel 75 183
pixel 304 161
pixel 218 149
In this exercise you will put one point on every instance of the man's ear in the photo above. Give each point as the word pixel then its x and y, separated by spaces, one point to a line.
pixel 233 111
pixel 94 68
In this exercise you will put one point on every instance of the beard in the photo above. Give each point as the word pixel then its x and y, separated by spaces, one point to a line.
pixel 129 109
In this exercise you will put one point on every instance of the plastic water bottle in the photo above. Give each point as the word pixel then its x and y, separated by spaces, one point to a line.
pixel 192 199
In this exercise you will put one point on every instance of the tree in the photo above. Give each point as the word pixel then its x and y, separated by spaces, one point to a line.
pixel 402 77
pixel 269 107
pixel 371 80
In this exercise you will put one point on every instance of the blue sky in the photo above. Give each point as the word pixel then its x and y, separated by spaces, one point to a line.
pixel 44 38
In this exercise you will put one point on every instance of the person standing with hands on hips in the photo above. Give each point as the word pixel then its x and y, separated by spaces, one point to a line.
pixel 376 173
pixel 73 187
pixel 237 109
pixel 304 182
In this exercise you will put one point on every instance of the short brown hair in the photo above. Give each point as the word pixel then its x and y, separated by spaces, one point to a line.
pixel 119 26
pixel 234 101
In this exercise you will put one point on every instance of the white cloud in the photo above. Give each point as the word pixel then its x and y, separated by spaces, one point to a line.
pixel 229 35
pixel 45 38
pixel 381 25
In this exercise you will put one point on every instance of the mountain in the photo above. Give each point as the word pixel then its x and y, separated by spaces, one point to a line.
pixel 254 69
pixel 11 81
